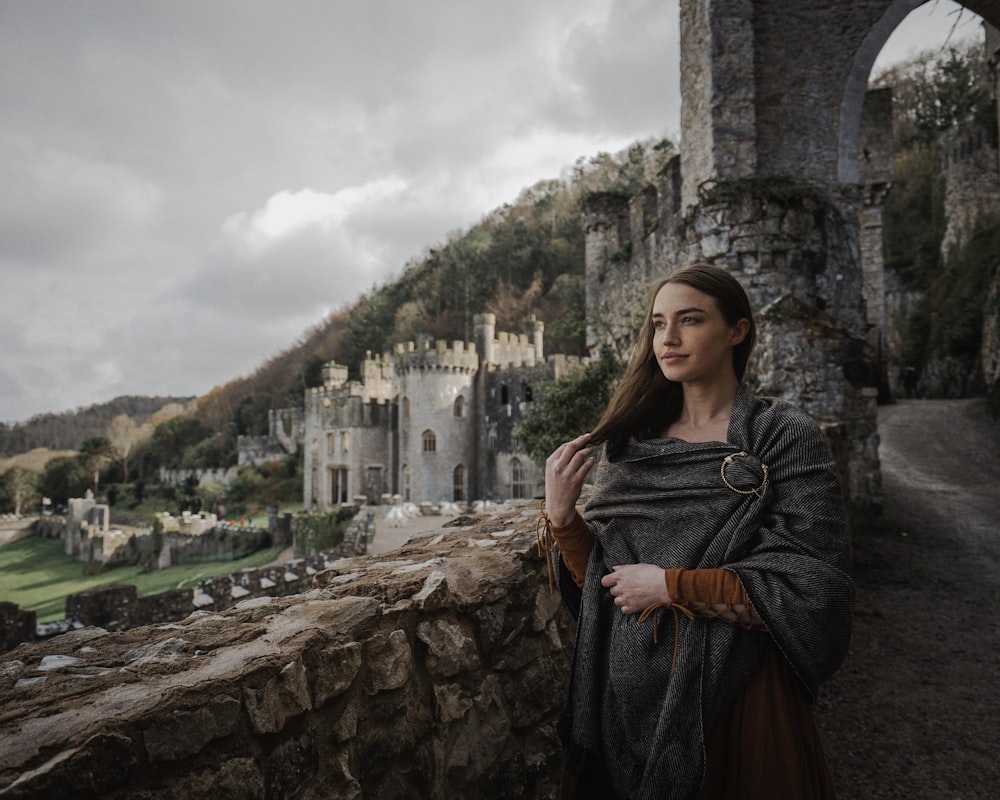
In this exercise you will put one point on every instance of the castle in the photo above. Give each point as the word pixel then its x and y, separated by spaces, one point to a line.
pixel 431 423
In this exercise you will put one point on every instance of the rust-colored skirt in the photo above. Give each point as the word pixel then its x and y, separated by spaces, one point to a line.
pixel 766 745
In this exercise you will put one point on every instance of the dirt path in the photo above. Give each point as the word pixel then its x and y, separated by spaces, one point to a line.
pixel 915 711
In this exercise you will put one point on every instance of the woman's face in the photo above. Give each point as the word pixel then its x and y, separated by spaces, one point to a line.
pixel 692 342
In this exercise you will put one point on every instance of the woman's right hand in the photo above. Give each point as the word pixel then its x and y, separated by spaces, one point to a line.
pixel 565 471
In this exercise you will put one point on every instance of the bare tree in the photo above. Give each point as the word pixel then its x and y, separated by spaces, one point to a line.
pixel 124 435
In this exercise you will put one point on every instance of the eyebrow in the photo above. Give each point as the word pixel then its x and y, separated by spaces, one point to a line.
pixel 681 311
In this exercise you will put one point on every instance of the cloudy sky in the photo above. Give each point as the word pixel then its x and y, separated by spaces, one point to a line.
pixel 187 186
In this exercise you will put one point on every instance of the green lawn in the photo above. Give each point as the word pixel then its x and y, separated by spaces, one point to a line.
pixel 38 575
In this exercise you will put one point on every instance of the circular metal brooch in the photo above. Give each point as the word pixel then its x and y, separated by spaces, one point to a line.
pixel 728 461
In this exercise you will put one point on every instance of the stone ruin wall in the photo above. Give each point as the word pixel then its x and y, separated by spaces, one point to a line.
pixel 176 477
pixel 120 607
pixel 797 259
pixel 435 671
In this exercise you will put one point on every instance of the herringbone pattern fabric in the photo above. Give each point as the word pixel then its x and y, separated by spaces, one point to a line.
pixel 774 516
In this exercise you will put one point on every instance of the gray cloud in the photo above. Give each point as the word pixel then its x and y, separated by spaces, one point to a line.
pixel 187 187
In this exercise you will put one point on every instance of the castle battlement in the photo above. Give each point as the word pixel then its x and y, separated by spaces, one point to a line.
pixel 377 382
pixel 421 355
pixel 504 349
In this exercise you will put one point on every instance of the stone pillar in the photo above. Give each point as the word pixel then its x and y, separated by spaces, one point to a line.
pixel 717 93
pixel 875 172
pixel 607 249
pixel 797 255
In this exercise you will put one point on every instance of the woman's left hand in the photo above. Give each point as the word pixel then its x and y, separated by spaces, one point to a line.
pixel 635 587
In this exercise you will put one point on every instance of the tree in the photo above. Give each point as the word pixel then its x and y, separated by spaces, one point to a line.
pixel 171 440
pixel 19 489
pixel 64 477
pixel 932 92
pixel 569 406
pixel 95 452
pixel 124 435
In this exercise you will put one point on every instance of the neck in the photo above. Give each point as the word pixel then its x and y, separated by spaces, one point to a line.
pixel 706 405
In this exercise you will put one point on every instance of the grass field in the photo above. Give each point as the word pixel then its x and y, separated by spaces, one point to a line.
pixel 38 575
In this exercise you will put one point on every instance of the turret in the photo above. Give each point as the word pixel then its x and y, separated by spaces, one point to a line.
pixel 334 375
pixel 486 325
pixel 536 334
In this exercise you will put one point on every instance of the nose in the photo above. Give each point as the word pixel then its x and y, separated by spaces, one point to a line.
pixel 668 333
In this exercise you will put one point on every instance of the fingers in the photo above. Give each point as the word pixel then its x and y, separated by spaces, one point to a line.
pixel 571 457
pixel 565 471
pixel 634 587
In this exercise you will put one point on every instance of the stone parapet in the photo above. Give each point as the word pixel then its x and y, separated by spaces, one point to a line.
pixel 435 671
pixel 425 355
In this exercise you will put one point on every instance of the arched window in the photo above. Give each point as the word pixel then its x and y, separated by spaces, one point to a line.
pixel 430 441
pixel 406 408
pixel 519 486
pixel 459 484
pixel 459 406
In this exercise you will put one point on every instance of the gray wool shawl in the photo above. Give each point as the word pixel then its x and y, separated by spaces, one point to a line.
pixel 773 514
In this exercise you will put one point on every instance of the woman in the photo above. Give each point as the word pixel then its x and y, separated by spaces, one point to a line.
pixel 708 571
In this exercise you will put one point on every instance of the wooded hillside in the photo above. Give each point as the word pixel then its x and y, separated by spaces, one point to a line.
pixel 523 258
pixel 69 429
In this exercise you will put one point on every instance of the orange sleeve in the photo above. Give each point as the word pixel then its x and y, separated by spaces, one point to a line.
pixel 705 586
pixel 714 594
pixel 575 542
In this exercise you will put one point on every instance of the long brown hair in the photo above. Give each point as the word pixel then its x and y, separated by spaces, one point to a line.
pixel 644 397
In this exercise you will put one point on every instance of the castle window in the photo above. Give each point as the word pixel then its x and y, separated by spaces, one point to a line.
pixel 338 486
pixel 331 444
pixel 406 483
pixel 459 484
pixel 345 441
pixel 491 438
pixel 459 406
pixel 406 408
pixel 430 442
pixel 504 397
pixel 515 441
pixel 527 392
pixel 519 486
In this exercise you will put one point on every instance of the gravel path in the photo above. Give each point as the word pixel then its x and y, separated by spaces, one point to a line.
pixel 915 711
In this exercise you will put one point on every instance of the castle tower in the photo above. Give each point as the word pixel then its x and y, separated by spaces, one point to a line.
pixel 436 430
pixel 486 327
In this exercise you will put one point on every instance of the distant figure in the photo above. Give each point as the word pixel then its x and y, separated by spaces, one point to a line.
pixel 709 569
pixel 910 382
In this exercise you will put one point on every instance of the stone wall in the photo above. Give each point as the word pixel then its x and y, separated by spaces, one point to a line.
pixel 286 432
pixel 436 671
pixel 13 528
pixel 176 477
pixel 120 607
pixel 16 626
pixel 791 247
